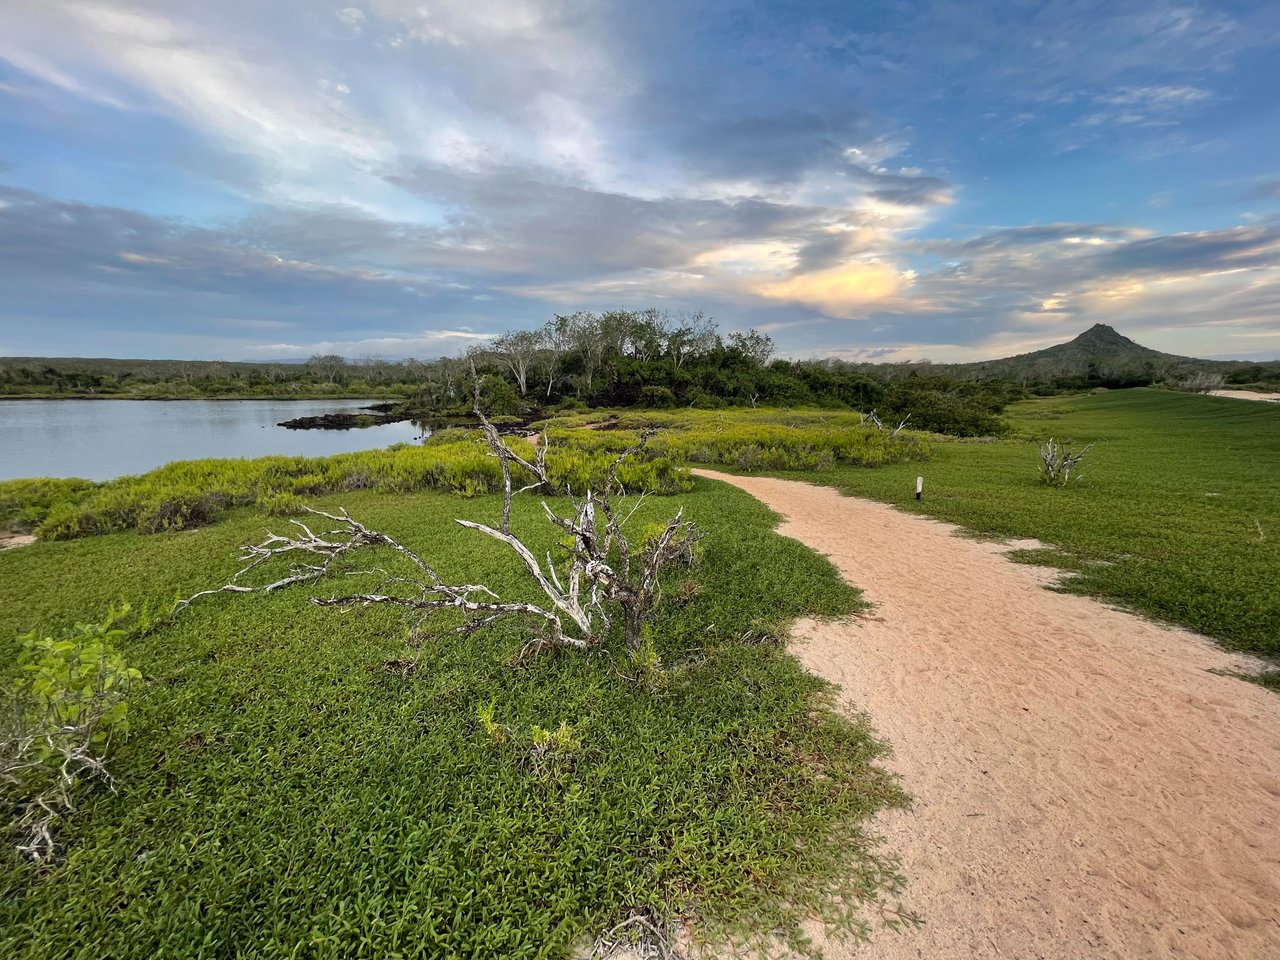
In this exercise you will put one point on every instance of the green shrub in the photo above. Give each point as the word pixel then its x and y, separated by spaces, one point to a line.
pixel 282 504
pixel 942 405
pixel 77 675
pixel 25 503
pixel 657 397
pixel 498 398
pixel 70 699
pixel 180 511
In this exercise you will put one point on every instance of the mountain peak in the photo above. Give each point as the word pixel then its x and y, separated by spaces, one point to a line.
pixel 1102 338
pixel 1100 330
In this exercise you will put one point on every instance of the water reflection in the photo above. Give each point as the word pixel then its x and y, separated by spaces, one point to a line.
pixel 100 439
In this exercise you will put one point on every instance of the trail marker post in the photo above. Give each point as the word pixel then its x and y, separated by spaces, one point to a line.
pixel 919 487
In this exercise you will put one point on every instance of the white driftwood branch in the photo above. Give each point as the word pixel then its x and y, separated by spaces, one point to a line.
pixel 601 559
pixel 506 456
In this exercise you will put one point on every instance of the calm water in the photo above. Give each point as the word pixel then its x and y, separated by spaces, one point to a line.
pixel 100 439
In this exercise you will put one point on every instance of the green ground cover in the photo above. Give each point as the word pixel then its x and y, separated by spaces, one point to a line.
pixel 287 790
pixel 744 438
pixel 1177 514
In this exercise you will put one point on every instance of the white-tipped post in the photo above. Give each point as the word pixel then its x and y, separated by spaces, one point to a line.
pixel 919 487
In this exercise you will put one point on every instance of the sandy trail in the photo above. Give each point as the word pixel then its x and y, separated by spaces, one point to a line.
pixel 1246 395
pixel 1083 787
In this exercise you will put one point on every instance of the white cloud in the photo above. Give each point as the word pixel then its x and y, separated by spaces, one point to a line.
pixel 428 343
pixel 352 17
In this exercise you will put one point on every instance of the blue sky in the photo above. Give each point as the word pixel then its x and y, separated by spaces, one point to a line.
pixel 250 180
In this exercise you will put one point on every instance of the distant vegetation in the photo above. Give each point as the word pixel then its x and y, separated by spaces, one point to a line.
pixel 322 377
pixel 650 359
pixel 1102 357
pixel 655 360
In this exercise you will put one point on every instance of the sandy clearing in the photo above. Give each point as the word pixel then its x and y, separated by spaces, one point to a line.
pixel 9 541
pixel 1246 395
pixel 1083 787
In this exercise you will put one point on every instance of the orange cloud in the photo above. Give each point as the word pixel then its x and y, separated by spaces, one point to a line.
pixel 839 291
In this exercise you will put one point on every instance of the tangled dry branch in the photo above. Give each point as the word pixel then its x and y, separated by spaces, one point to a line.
pixel 605 574
pixel 639 937
pixel 873 418
pixel 59 759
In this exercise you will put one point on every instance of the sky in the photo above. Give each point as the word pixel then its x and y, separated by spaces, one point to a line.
pixel 919 179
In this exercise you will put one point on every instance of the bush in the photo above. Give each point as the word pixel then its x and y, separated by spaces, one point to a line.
pixel 70 701
pixel 180 511
pixel 282 504
pixel 499 398
pixel 659 397
pixel 1195 382
pixel 942 405
pixel 1059 464
pixel 25 503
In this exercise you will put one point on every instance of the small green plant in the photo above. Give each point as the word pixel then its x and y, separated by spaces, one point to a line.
pixel 540 750
pixel 492 729
pixel 69 701
pixel 646 664
pixel 546 747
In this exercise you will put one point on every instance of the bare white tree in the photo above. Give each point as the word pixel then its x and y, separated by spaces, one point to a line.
pixel 873 418
pixel 591 343
pixel 694 337
pixel 557 340
pixel 517 351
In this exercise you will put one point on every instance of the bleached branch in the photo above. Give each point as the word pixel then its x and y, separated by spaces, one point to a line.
pixel 600 557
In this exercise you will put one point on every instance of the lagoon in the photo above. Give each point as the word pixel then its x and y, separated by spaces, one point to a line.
pixel 101 439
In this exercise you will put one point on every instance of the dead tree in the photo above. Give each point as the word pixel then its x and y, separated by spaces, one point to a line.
pixel 506 457
pixel 874 419
pixel 606 575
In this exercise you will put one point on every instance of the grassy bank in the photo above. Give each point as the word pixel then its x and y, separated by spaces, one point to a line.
pixel 192 493
pixel 285 791
pixel 1177 515
pixel 746 439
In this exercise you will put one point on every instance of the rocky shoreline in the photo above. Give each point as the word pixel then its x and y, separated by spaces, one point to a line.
pixel 342 421
pixel 373 415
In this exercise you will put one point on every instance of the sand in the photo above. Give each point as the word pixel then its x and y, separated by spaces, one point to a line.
pixel 1246 395
pixel 9 541
pixel 1083 786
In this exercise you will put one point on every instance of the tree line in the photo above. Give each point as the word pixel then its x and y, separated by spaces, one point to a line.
pixel 652 358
